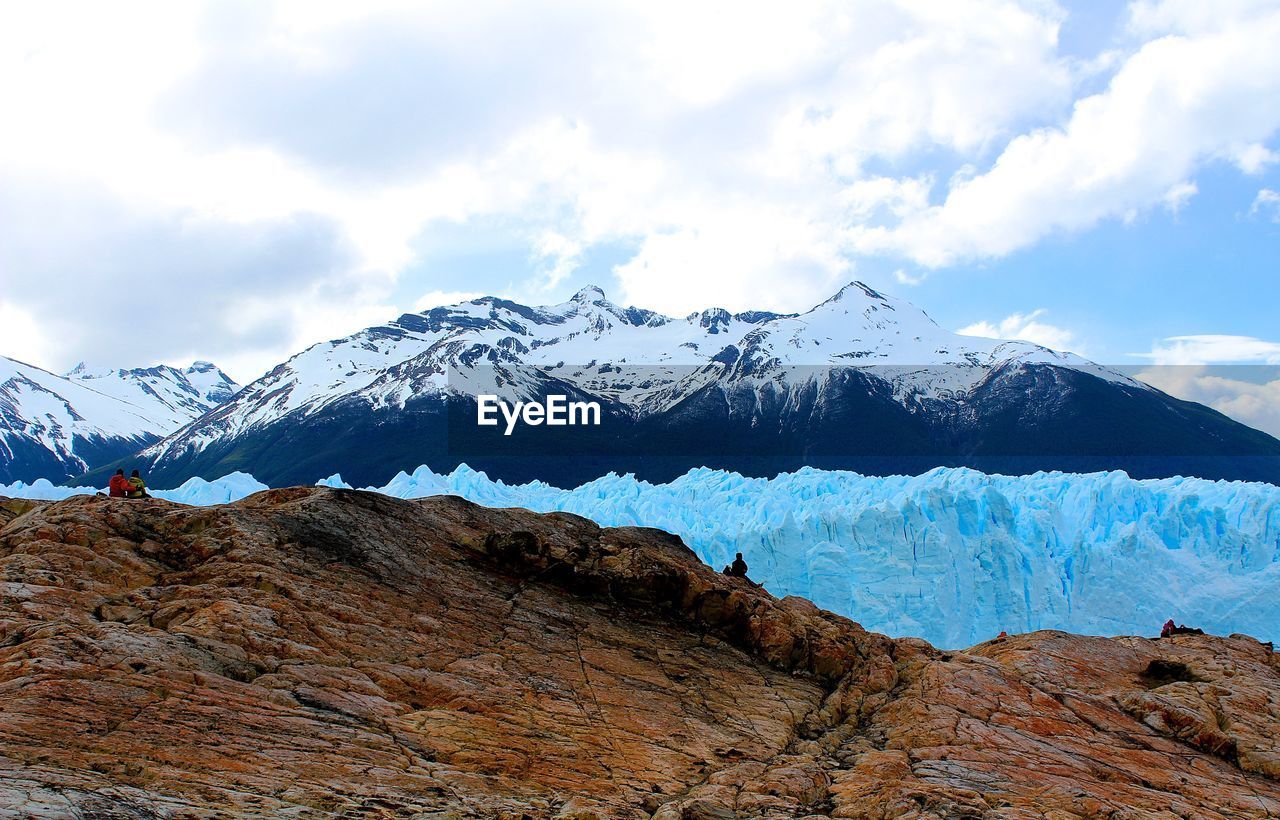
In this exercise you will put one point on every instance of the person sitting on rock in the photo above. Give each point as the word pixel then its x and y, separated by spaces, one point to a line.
pixel 118 486
pixel 738 569
pixel 1169 630
pixel 137 487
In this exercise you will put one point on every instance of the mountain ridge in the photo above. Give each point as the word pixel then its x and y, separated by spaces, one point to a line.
pixel 862 381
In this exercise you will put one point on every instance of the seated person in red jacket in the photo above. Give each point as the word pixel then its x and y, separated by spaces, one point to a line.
pixel 118 486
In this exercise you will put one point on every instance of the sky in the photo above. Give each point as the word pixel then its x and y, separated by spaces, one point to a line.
pixel 234 181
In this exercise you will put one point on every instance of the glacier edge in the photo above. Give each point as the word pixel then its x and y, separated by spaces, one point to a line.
pixel 953 555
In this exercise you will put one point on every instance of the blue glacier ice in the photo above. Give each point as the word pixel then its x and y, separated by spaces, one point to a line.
pixel 196 491
pixel 953 556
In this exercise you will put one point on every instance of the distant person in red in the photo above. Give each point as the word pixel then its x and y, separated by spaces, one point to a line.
pixel 1169 629
pixel 118 486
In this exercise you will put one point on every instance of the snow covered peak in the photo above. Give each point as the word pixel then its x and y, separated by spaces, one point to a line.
pixel 590 293
pixel 84 370
pixel 166 396
pixel 210 382
pixel 859 299
pixel 856 290
pixel 183 394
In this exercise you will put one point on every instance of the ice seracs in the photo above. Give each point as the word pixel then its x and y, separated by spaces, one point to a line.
pixel 954 556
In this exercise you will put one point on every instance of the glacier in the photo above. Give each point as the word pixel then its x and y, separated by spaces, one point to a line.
pixel 954 555
pixel 195 491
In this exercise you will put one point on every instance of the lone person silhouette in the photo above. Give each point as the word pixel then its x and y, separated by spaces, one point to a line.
pixel 738 569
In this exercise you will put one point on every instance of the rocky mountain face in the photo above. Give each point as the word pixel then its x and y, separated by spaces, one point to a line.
pixel 863 381
pixel 315 652
pixel 56 427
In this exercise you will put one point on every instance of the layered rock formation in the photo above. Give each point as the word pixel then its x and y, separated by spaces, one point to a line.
pixel 314 652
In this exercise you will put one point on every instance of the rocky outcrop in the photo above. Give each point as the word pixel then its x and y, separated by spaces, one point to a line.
pixel 315 652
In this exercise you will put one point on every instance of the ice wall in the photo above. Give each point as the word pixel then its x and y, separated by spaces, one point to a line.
pixel 954 555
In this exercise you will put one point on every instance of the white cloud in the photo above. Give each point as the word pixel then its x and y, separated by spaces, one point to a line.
pixel 25 339
pixel 1252 402
pixel 749 257
pixel 748 154
pixel 725 142
pixel 1026 327
pixel 1235 375
pixel 1194 92
pixel 1212 349
pixel 1254 158
pixel 1176 198
pixel 112 282
pixel 1266 202
pixel 1157 18
pixel 560 256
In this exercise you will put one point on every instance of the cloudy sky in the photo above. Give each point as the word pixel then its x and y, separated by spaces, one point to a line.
pixel 234 181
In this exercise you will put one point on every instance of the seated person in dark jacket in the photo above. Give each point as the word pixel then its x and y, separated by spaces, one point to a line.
pixel 738 569
pixel 137 488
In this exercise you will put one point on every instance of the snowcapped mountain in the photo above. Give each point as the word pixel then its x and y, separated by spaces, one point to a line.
pixel 862 381
pixel 57 426
pixel 171 397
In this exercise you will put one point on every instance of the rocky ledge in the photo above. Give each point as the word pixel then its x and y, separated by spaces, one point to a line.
pixel 314 652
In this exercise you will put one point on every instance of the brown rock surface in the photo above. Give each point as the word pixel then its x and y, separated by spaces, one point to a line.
pixel 315 652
